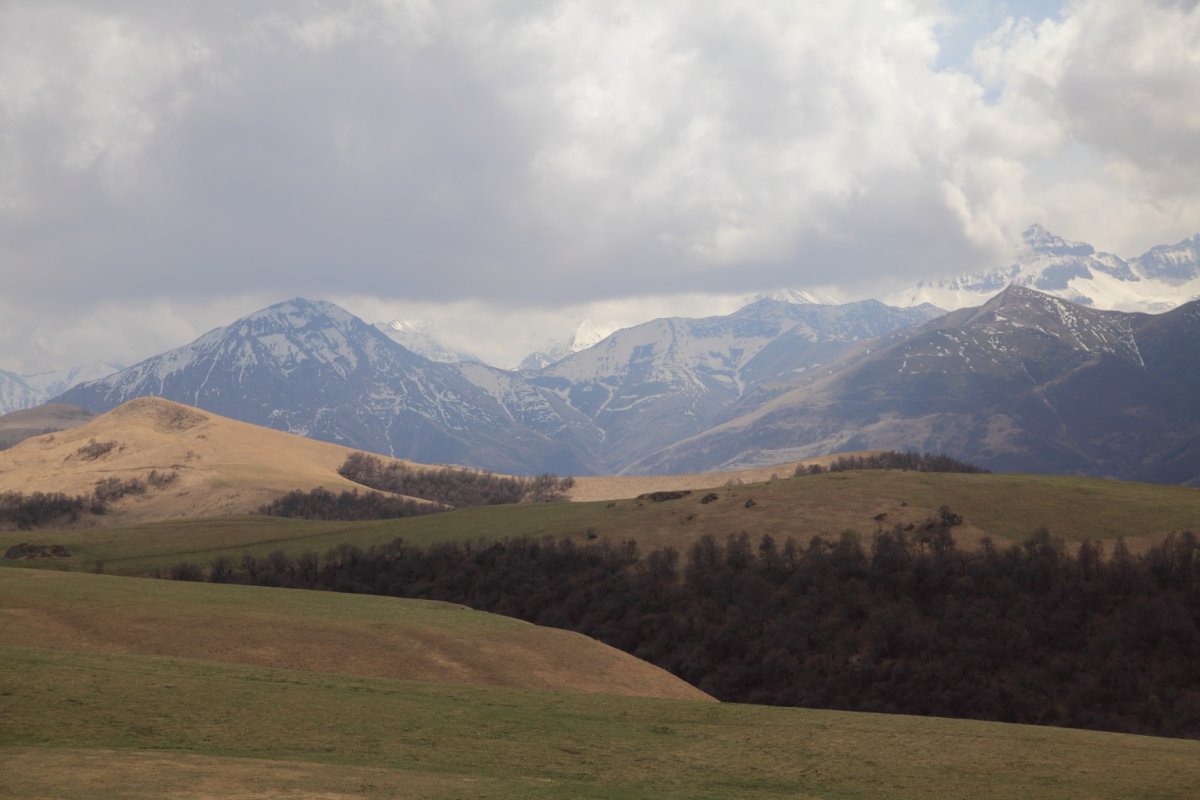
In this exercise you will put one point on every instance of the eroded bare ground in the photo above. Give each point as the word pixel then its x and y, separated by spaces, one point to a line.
pixel 68 774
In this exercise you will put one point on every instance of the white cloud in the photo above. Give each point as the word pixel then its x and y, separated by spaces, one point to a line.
pixel 554 155
pixel 1120 82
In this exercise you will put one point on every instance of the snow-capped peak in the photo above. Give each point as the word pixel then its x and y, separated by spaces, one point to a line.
pixel 799 297
pixel 1040 240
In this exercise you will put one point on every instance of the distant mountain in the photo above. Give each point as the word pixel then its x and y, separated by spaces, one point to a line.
pixel 650 385
pixel 421 337
pixel 587 334
pixel 20 391
pixel 1157 281
pixel 1025 382
pixel 314 369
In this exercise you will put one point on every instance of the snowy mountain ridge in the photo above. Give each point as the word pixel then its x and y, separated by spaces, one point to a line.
pixel 1163 278
pixel 19 391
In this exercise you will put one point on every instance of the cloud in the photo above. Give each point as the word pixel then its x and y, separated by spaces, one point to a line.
pixel 1114 89
pixel 557 154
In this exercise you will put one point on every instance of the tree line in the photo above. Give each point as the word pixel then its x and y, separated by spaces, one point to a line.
pixel 452 486
pixel 902 623
pixel 444 489
pixel 892 459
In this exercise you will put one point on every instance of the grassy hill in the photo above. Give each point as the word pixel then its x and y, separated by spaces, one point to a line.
pixel 1006 507
pixel 218 465
pixel 120 687
pixel 316 631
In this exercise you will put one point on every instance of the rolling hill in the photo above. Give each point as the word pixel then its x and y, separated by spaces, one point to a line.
pixel 116 703
pixel 316 632
pixel 221 466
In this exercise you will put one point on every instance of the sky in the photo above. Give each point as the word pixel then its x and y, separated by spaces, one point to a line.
pixel 509 168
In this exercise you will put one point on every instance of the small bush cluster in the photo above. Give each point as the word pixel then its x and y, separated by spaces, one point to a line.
pixel 460 488
pixel 93 449
pixel 160 479
pixel 40 508
pixel 109 490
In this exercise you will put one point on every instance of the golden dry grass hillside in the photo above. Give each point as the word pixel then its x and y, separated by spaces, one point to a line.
pixel 221 466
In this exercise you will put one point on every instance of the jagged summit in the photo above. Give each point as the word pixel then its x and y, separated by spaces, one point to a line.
pixel 1040 240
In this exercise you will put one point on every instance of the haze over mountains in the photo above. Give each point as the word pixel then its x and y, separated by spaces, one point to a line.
pixel 1024 381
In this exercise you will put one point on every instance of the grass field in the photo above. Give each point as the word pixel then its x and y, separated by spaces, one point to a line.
pixel 1007 507
pixel 128 687
pixel 153 726
pixel 317 631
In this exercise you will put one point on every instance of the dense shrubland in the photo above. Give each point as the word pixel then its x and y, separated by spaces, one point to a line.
pixel 321 503
pixel 905 623
pixel 452 486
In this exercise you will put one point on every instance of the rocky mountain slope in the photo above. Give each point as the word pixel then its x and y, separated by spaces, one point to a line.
pixel 1025 382
pixel 653 384
pixel 313 369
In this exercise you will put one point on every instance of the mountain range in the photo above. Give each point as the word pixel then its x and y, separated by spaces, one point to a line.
pixel 1025 382
pixel 1022 379
pixel 314 369
pixel 19 391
